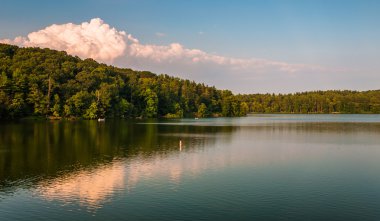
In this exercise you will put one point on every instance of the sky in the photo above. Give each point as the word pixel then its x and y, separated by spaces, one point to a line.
pixel 252 46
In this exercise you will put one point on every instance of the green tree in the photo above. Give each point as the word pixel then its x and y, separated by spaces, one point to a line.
pixel 244 109
pixel 151 103
pixel 125 108
pixel 56 109
pixel 202 110
pixel 91 112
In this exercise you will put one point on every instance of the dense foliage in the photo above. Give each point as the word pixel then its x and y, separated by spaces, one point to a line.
pixel 44 82
pixel 319 102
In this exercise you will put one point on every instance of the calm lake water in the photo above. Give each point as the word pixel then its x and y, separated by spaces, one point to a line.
pixel 261 167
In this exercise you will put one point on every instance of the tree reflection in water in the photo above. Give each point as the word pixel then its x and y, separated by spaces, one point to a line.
pixel 87 161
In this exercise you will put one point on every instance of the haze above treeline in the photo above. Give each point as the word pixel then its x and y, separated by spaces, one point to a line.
pixel 38 82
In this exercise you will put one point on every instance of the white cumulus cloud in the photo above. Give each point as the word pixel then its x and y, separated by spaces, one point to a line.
pixel 93 39
pixel 97 40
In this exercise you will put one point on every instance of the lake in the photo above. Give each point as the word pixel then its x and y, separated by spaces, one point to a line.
pixel 260 167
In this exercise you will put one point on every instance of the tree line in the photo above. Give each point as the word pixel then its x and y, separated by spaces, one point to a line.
pixel 315 102
pixel 37 82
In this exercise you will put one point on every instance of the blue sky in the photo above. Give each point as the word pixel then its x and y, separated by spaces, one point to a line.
pixel 341 37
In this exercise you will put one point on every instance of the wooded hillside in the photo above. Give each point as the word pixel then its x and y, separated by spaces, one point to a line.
pixel 43 82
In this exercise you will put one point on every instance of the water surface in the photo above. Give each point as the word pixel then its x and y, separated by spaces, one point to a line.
pixel 263 167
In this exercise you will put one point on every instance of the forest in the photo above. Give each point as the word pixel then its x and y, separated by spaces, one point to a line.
pixel 315 102
pixel 37 82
